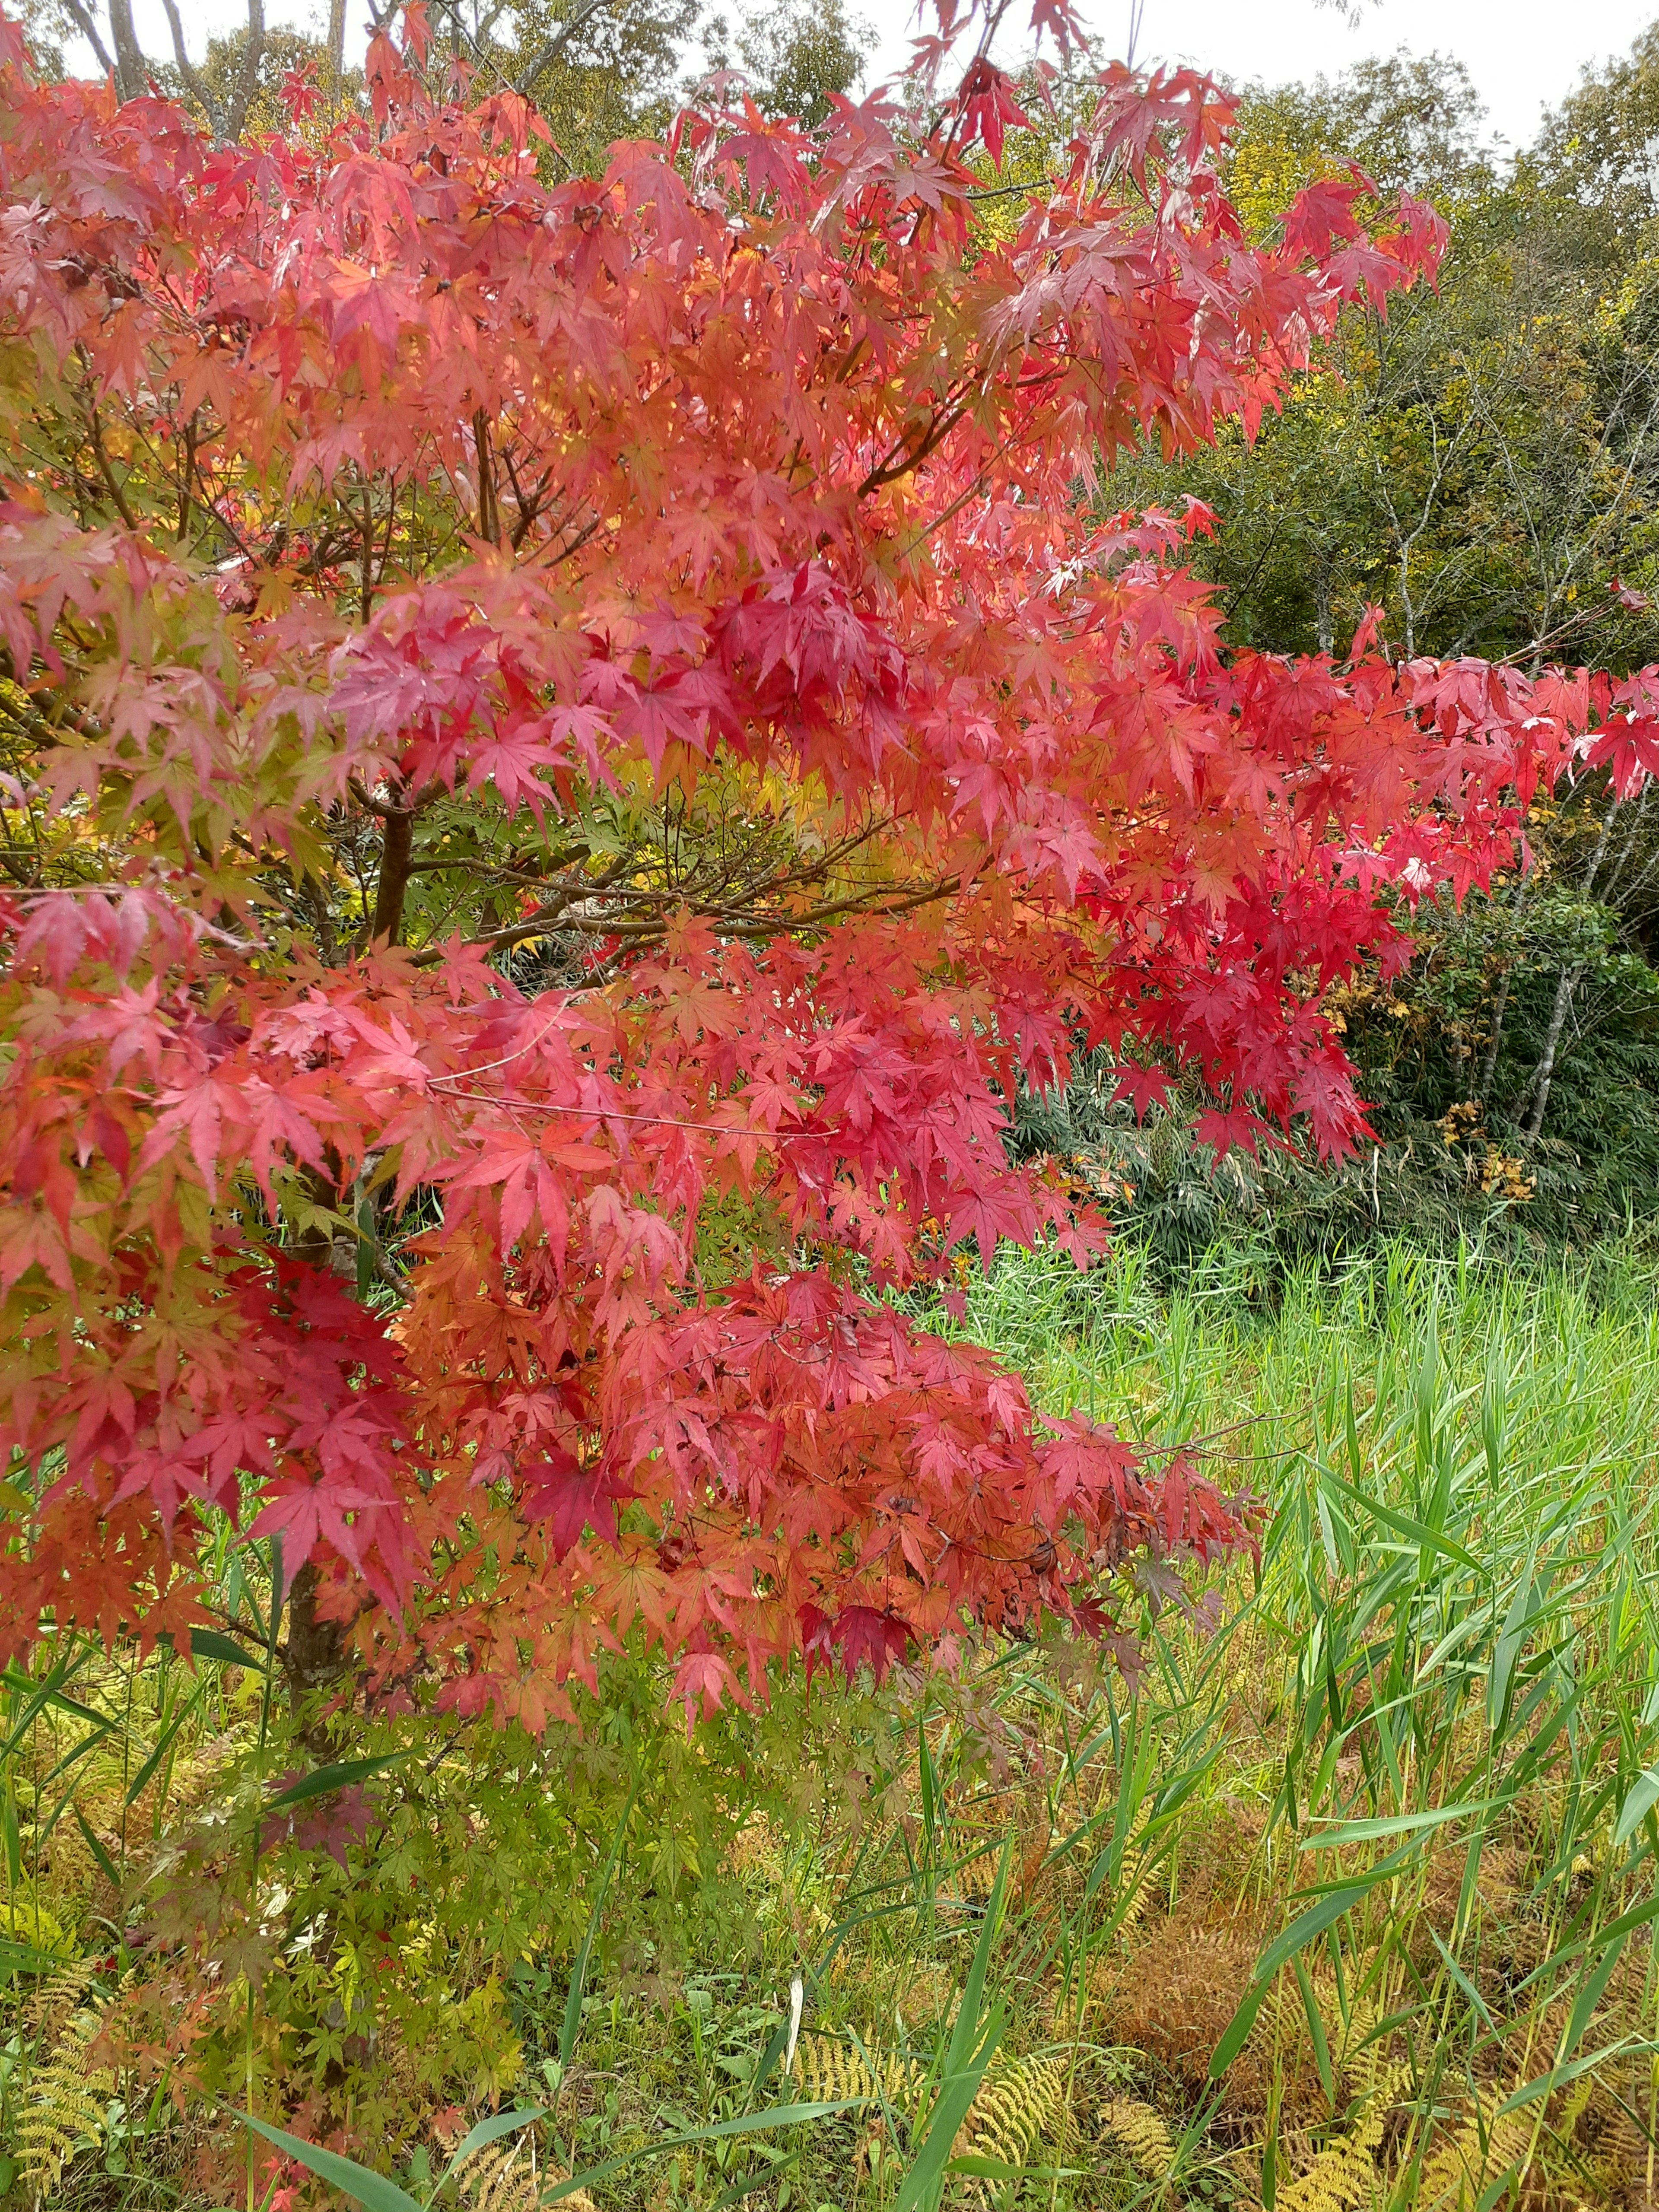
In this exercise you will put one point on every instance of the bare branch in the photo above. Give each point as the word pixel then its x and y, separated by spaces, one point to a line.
pixel 195 84
pixel 84 23
pixel 555 45
pixel 250 60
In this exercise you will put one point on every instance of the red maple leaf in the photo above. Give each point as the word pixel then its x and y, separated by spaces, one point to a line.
pixel 568 1498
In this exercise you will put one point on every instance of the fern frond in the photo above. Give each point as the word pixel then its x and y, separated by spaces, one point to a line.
pixel 65 2106
pixel 1016 2104
pixel 56 1999
pixel 1462 2170
pixel 1343 2175
pixel 1135 1907
pixel 1345 2172
pixel 502 2177
pixel 1140 2130
pixel 832 2072
pixel 1020 2101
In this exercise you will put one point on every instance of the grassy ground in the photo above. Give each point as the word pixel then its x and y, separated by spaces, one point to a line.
pixel 1345 1900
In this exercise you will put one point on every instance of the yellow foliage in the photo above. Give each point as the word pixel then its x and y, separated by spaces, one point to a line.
pixel 67 2097
pixel 25 1919
pixel 1020 2101
pixel 1140 2130
pixel 1344 2173
pixel 502 2177
pixel 1483 2148
pixel 831 2072
pixel 1016 2104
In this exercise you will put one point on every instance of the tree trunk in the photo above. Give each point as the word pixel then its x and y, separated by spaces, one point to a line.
pixel 1545 1075
pixel 1564 990
pixel 397 848
pixel 252 59
pixel 336 28
pixel 129 71
pixel 196 88
pixel 315 1657
pixel 1322 615
pixel 314 1650
pixel 1489 1065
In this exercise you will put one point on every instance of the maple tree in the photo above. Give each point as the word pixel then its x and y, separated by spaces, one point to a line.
pixel 537 712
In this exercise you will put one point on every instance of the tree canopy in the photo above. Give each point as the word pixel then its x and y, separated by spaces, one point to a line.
pixel 544 713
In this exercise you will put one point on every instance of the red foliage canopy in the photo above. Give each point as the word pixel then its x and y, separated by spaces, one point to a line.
pixel 367 493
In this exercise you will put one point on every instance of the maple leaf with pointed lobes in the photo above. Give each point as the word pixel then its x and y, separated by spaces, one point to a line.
pixel 1628 748
pixel 568 1498
pixel 988 106
pixel 1144 1088
pixel 861 1636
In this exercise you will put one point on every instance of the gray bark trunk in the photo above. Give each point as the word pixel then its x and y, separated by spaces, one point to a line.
pixel 131 73
pixel 1545 1075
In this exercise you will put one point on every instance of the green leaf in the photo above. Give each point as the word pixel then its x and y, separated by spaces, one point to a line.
pixel 24 1959
pixel 964 2030
pixel 570 2026
pixel 1588 1997
pixel 1544 2085
pixel 487 2132
pixel 1302 1931
pixel 322 1781
pixel 1640 1801
pixel 998 2169
pixel 924 2181
pixel 135 1787
pixel 1464 1983
pixel 747 2124
pixel 375 2193
pixel 209 1643
pixel 87 1744
pixel 105 1863
pixel 42 1695
pixel 1417 1532
pixel 1321 2049
pixel 1517 1623
pixel 1637 1917
pixel 928 1787
pixel 968 2055
pixel 1405 1824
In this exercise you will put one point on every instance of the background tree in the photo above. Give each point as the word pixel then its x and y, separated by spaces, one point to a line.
pixel 595 72
pixel 794 56
pixel 1480 465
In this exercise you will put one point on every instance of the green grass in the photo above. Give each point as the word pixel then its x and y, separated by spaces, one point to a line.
pixel 1380 1833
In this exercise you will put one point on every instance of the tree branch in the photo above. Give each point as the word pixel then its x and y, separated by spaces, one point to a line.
pixel 251 61
pixel 195 84
pixel 83 22
pixel 555 45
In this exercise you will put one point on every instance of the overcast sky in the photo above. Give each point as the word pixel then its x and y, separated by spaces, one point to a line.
pixel 1522 54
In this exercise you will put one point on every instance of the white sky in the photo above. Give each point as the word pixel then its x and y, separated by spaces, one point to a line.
pixel 1523 55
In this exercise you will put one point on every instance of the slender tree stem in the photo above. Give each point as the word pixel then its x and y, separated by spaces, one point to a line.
pixel 1545 1075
